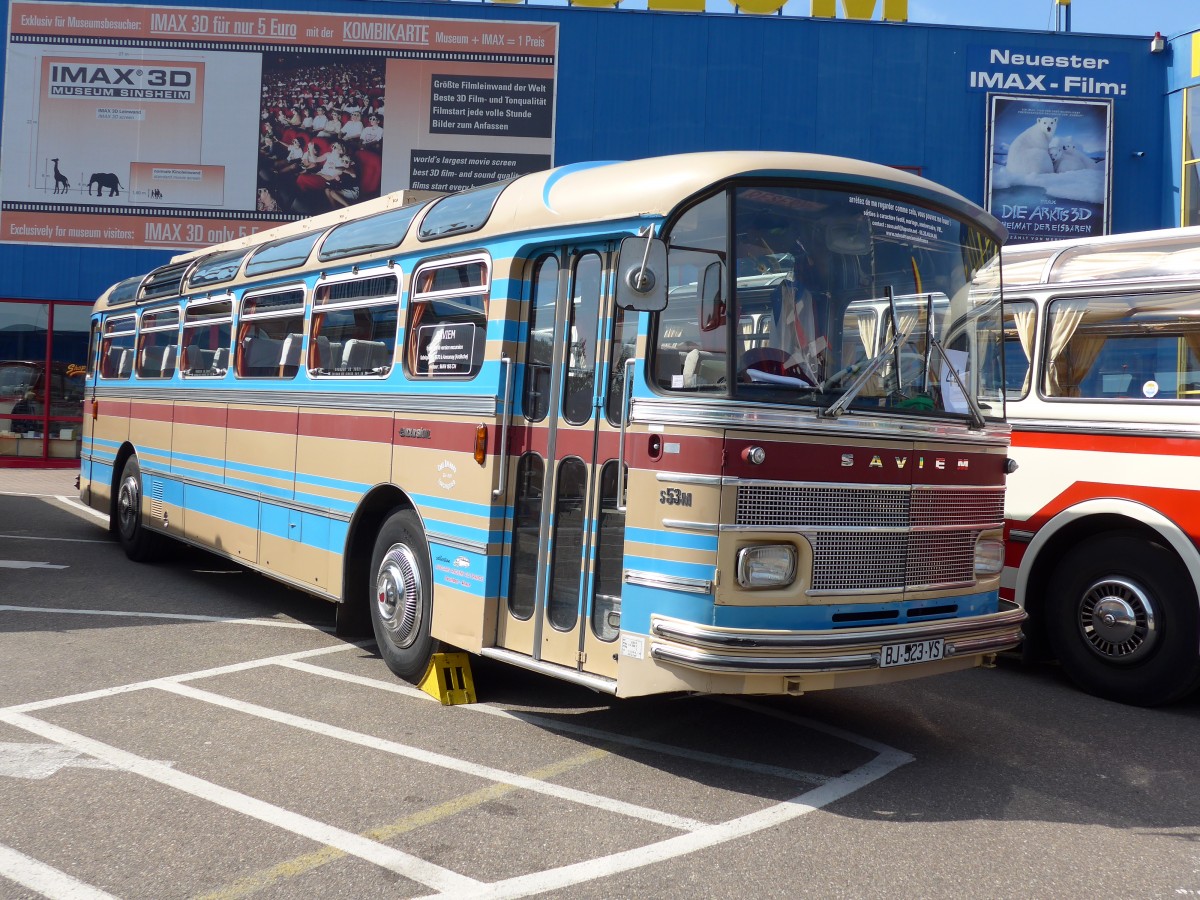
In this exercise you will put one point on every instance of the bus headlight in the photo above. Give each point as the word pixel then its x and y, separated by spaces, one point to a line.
pixel 766 566
pixel 989 556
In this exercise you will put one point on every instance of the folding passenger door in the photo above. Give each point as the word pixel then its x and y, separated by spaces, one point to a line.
pixel 564 572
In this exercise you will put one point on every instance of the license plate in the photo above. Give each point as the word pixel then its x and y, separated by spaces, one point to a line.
pixel 907 654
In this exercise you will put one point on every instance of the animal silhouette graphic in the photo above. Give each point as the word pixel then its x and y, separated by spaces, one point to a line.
pixel 61 185
pixel 105 180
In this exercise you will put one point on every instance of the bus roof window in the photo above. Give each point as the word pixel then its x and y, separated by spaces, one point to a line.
pixel 373 234
pixel 461 213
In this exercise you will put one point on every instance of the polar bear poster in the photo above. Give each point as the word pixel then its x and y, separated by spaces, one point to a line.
pixel 1029 153
pixel 1072 159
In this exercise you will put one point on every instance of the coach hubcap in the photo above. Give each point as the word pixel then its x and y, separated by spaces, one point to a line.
pixel 398 593
pixel 129 503
pixel 1117 619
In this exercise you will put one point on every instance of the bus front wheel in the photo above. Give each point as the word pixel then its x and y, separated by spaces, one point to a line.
pixel 402 596
pixel 1122 620
pixel 139 544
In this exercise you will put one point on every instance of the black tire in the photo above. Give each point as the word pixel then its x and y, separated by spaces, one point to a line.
pixel 1121 617
pixel 401 598
pixel 140 544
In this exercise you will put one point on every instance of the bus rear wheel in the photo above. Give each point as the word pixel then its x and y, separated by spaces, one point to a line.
pixel 139 544
pixel 402 596
pixel 1122 620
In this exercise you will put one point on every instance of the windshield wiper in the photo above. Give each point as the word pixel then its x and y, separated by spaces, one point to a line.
pixel 868 367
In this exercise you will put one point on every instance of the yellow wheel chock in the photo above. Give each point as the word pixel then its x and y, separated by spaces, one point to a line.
pixel 448 679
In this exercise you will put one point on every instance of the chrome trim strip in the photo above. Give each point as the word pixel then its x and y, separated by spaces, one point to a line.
pixel 706 636
pixel 692 526
pixel 668 582
pixel 1002 631
pixel 760 665
pixel 1020 537
pixel 730 480
pixel 595 682
pixel 893 589
pixel 680 478
pixel 1118 429
pixel 424 404
pixel 457 543
pixel 792 419
pixel 242 492
pixel 984 644
pixel 866 529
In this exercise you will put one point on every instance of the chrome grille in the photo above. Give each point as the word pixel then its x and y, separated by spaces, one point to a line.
pixel 927 537
pixel 934 507
pixel 861 561
pixel 821 506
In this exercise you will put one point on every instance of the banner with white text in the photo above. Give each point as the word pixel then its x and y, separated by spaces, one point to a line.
pixel 179 127
pixel 1049 171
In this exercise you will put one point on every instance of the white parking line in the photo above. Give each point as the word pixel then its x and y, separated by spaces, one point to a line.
pixel 671 848
pixel 697 836
pixel 70 501
pixel 728 762
pixel 347 841
pixel 437 759
pixel 186 617
pixel 46 537
pixel 102 693
pixel 48 882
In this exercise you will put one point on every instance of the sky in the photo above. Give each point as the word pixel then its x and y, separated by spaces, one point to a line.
pixel 1171 17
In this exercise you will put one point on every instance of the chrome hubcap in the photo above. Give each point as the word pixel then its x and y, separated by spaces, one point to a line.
pixel 1117 619
pixel 129 504
pixel 398 592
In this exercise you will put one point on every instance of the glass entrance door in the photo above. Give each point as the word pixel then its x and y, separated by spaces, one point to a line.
pixel 563 602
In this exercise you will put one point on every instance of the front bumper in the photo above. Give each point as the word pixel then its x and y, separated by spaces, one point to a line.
pixel 707 648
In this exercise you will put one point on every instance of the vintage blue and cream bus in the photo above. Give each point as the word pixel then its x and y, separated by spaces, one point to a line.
pixel 612 422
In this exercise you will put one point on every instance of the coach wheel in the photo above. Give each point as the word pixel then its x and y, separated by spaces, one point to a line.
pixel 139 544
pixel 402 594
pixel 1122 620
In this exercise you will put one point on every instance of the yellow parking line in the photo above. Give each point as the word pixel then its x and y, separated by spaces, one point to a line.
pixel 300 865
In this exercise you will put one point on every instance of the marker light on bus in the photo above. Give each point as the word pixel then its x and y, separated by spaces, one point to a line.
pixel 766 566
pixel 989 556
pixel 480 443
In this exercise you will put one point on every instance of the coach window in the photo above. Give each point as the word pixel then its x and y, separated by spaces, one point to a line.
pixel 207 328
pixel 354 326
pixel 116 348
pixel 580 387
pixel 1020 330
pixel 283 254
pixel 539 350
pixel 270 334
pixel 447 319
pixel 1141 346
pixel 158 343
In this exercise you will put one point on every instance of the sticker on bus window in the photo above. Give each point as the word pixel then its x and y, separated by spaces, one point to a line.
pixel 1150 389
pixel 446 349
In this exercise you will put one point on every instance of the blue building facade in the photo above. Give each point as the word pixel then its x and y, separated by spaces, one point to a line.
pixel 636 83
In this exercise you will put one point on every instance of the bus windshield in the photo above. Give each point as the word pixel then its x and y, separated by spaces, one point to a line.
pixel 811 296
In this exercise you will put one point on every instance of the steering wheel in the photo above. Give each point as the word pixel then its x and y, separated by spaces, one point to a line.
pixel 770 360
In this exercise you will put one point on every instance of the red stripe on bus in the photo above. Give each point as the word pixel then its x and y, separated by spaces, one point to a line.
pixel 210 416
pixel 1177 504
pixel 1183 445
pixel 150 412
pixel 270 421
pixel 373 429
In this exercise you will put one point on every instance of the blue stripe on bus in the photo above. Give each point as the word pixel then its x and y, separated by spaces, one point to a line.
pixel 639 601
pixel 683 541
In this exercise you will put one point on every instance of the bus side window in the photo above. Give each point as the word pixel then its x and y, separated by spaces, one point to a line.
pixel 270 332
pixel 354 326
pixel 117 348
pixel 447 319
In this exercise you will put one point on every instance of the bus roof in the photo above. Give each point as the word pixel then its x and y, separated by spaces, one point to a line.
pixel 582 193
pixel 1166 253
